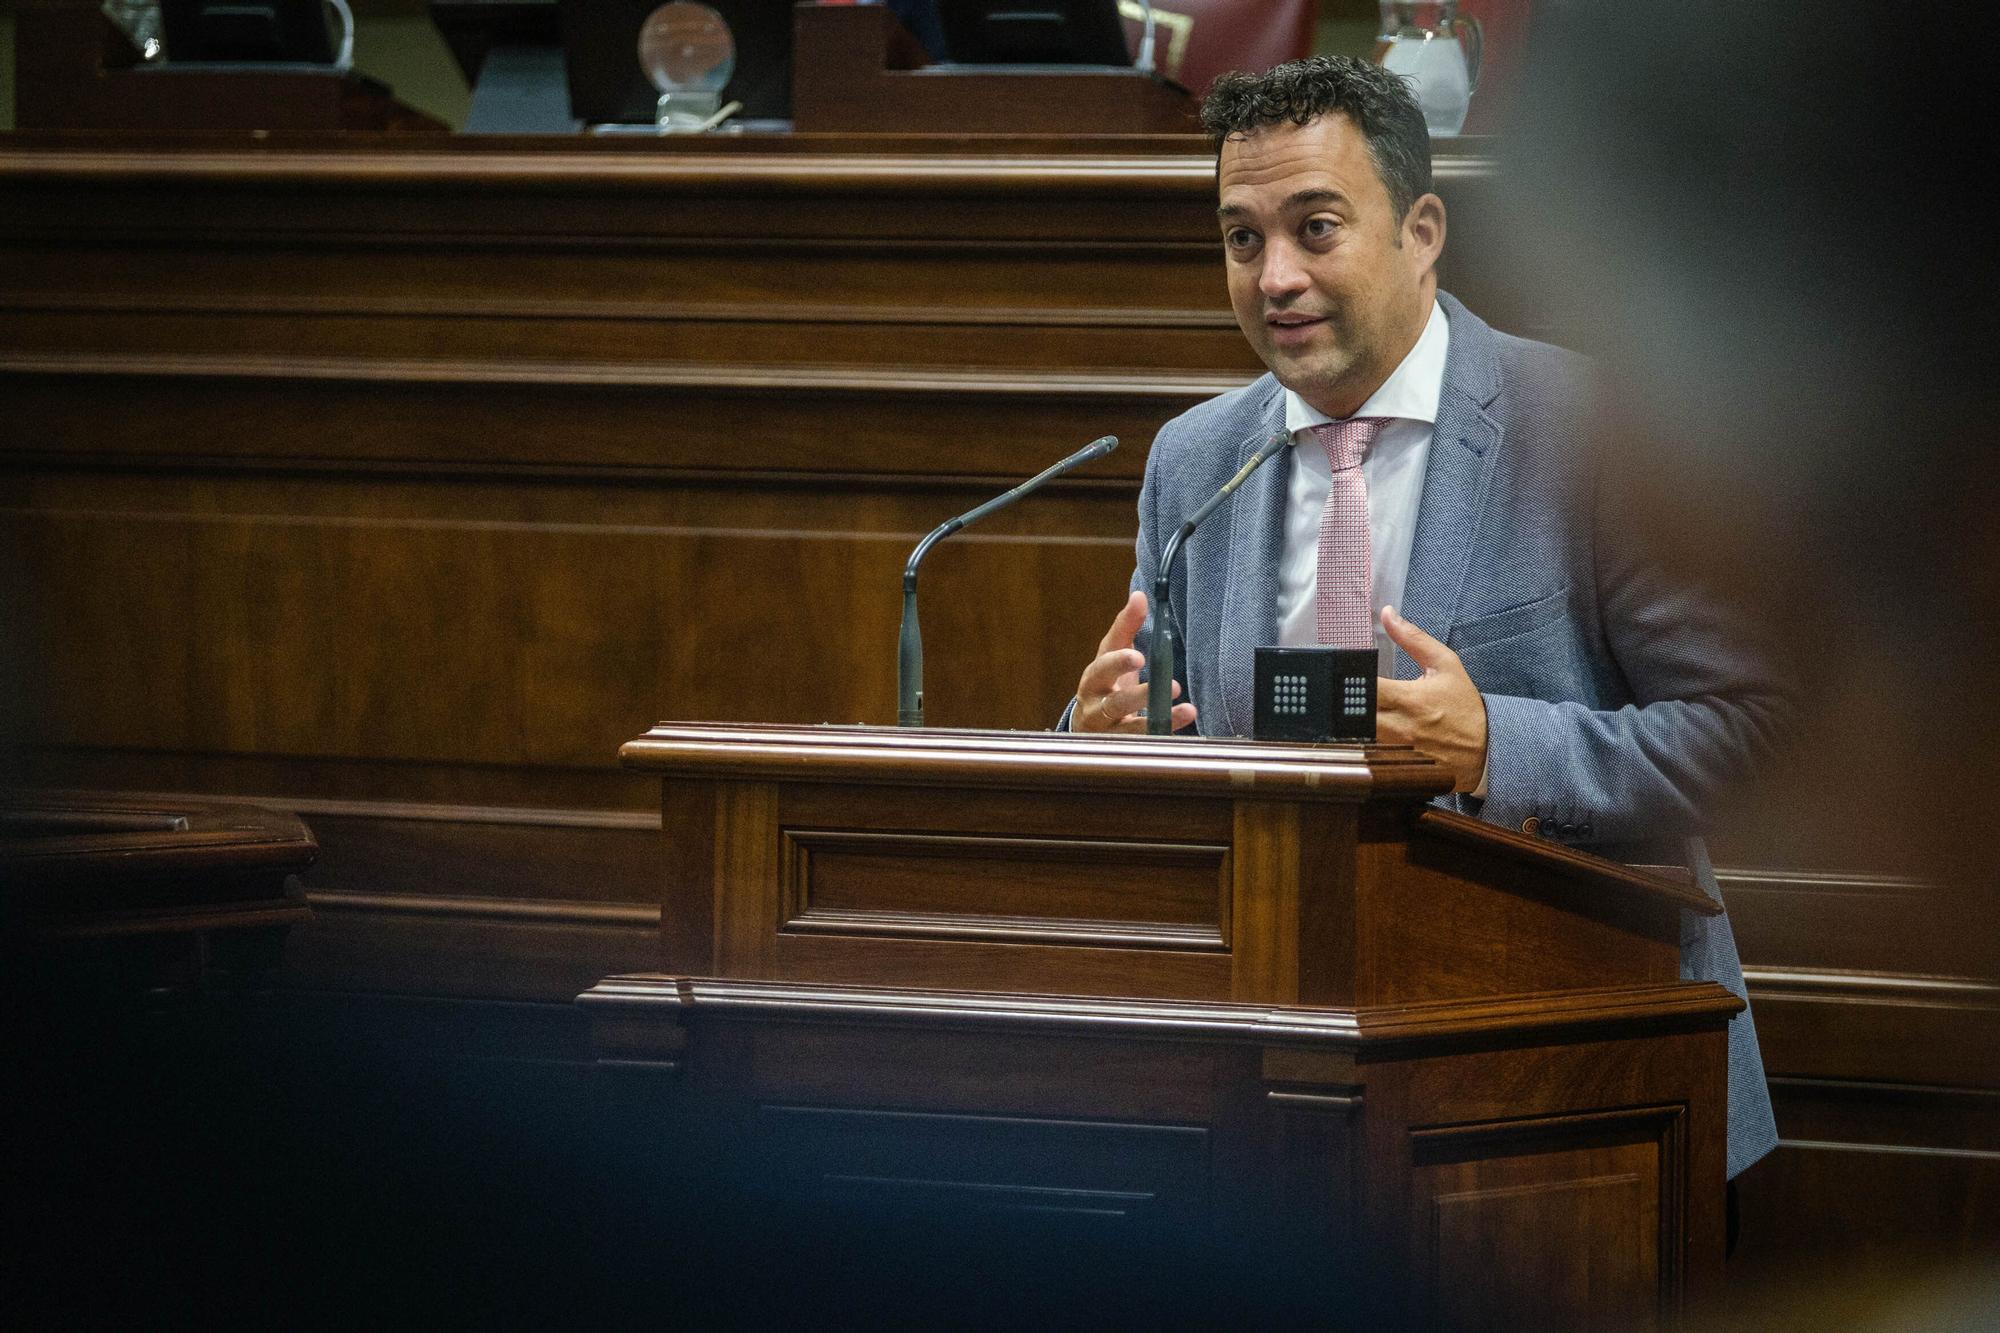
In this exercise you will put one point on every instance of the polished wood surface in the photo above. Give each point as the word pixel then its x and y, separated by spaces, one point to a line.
pixel 945 979
pixel 84 866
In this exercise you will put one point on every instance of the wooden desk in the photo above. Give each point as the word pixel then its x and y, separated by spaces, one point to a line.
pixel 1253 1007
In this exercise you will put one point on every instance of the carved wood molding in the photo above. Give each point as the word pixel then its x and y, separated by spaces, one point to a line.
pixel 994 173
pixel 424 811
pixel 1406 1029
pixel 915 175
pixel 708 312
pixel 543 911
pixel 941 915
pixel 1813 983
pixel 1885 1028
pixel 691 376
pixel 1047 760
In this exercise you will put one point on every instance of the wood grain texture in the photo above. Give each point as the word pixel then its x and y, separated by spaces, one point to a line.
pixel 1876 1012
pixel 1312 1132
pixel 1563 1235
pixel 1492 920
pixel 607 330
pixel 425 474
pixel 1044 862
pixel 1335 1034
pixel 1269 886
pixel 1022 889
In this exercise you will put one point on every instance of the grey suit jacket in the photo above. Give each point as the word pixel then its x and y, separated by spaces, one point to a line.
pixel 1617 704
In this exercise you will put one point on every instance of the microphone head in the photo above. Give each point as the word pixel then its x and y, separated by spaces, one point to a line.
pixel 1099 447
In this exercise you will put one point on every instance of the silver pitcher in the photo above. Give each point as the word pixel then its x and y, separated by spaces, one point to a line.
pixel 1437 49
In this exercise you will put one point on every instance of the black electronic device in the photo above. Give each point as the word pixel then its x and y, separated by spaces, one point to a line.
pixel 608 86
pixel 1315 694
pixel 273 32
pixel 1034 32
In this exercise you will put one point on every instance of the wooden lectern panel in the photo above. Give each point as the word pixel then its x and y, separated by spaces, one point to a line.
pixel 1259 873
pixel 1276 1163
pixel 1247 1029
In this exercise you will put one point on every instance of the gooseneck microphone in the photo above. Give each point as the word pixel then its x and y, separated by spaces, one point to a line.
pixel 910 643
pixel 1160 650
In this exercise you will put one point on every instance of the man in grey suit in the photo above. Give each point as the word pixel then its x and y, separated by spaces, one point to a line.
pixel 1441 503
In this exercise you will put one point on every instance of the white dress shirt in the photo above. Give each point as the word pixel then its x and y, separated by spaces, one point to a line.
pixel 1393 469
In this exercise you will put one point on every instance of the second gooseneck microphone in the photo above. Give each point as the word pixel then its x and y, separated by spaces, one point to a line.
pixel 910 644
pixel 1160 651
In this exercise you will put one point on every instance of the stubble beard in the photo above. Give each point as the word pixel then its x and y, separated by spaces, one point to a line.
pixel 1317 374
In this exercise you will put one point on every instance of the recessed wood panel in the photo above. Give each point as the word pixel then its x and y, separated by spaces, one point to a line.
pixel 1025 890
pixel 1592 1260
pixel 1119 1175
pixel 1007 1072
pixel 985 920
pixel 1067 967
pixel 575 856
pixel 1546 1228
pixel 1010 813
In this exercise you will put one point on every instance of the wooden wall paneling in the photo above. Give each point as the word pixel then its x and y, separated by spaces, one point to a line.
pixel 1877 1016
pixel 317 785
pixel 538 642
pixel 910 325
pixel 1877 1178
pixel 500 950
pixel 477 902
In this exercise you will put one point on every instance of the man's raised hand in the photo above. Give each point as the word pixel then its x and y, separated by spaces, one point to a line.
pixel 1441 712
pixel 1109 695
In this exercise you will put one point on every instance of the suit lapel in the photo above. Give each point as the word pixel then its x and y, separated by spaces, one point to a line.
pixel 1465 446
pixel 1250 587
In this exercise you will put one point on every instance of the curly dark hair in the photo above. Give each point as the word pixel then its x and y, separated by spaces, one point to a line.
pixel 1378 102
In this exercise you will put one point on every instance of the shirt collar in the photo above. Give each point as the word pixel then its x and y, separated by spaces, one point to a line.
pixel 1411 391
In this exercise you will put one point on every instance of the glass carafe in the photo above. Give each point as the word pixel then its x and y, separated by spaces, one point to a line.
pixel 1430 43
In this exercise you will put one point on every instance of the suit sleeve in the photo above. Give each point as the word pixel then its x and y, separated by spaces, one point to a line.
pixel 1706 708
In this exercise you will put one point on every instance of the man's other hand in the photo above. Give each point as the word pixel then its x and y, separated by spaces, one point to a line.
pixel 1440 712
pixel 1109 695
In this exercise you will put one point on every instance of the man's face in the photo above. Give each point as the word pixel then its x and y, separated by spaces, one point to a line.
pixel 1327 286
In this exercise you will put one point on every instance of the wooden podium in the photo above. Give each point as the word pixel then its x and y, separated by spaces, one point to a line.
pixel 1255 1018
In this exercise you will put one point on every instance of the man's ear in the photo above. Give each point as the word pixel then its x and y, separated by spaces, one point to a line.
pixel 1423 229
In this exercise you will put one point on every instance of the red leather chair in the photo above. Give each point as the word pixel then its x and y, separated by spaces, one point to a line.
pixel 1195 40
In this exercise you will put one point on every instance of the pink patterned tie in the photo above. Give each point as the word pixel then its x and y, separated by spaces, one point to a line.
pixel 1346 568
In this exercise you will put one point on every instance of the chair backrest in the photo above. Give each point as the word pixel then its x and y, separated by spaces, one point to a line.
pixel 1195 40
